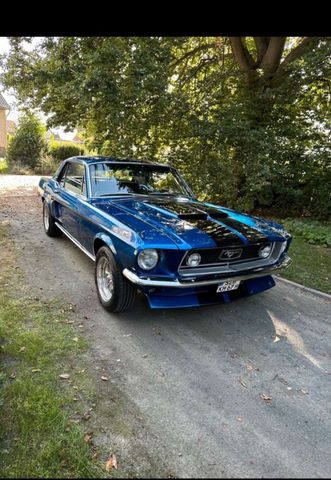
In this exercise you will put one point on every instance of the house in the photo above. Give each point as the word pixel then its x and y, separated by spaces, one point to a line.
pixel 11 128
pixel 4 107
pixel 52 135
pixel 78 139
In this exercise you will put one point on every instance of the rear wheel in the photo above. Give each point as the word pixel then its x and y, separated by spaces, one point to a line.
pixel 115 292
pixel 49 222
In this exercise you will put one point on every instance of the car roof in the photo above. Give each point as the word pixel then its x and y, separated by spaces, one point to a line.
pixel 101 159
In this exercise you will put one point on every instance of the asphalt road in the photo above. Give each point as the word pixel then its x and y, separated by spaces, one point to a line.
pixel 237 390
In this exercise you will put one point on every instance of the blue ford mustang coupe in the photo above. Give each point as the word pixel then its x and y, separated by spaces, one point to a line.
pixel 144 229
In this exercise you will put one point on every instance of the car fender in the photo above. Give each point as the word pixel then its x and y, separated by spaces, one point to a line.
pixel 105 239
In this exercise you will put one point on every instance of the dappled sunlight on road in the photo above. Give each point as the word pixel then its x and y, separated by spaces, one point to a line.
pixel 294 338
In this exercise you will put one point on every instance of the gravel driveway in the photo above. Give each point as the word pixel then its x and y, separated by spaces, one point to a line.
pixel 237 390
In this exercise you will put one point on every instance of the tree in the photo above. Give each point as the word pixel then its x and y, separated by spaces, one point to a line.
pixel 28 145
pixel 245 119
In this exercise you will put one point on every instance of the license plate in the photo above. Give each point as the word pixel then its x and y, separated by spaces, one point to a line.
pixel 226 286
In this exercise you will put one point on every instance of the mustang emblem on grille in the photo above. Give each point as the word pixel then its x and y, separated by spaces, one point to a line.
pixel 231 254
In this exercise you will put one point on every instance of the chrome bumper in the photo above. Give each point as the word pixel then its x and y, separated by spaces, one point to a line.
pixel 258 272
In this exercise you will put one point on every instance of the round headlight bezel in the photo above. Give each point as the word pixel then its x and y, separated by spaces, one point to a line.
pixel 263 248
pixel 144 255
pixel 197 256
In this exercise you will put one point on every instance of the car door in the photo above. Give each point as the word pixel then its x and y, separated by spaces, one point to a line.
pixel 71 191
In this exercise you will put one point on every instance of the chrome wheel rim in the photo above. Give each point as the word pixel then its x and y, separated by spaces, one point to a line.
pixel 105 280
pixel 46 218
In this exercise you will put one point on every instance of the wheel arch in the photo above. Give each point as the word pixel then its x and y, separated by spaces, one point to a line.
pixel 101 240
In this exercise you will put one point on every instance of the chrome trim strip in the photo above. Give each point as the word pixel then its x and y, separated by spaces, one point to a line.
pixel 148 282
pixel 76 242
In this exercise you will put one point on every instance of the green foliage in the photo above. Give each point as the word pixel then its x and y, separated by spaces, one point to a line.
pixel 61 150
pixel 47 166
pixel 3 165
pixel 28 145
pixel 311 265
pixel 259 143
pixel 312 231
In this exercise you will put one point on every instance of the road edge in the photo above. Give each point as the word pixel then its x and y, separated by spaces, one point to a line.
pixel 318 293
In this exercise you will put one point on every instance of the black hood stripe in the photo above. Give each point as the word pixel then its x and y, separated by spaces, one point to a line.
pixel 216 230
pixel 221 235
pixel 251 234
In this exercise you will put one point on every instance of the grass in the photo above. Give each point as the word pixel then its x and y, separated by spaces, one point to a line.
pixel 311 258
pixel 39 436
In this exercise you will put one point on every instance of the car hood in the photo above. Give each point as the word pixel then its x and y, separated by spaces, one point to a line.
pixel 189 223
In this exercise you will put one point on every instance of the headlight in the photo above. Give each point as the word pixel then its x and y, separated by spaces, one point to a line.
pixel 147 259
pixel 193 260
pixel 265 251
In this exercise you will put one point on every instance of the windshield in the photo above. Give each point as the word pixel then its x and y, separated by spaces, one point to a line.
pixel 120 179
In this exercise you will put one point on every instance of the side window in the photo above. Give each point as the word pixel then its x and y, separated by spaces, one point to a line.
pixel 74 178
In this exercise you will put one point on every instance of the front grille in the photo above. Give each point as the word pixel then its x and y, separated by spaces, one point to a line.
pixel 218 256
pixel 211 263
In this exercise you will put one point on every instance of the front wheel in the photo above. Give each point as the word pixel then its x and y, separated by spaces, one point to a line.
pixel 49 222
pixel 115 292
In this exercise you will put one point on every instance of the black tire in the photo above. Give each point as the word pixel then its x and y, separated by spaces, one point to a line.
pixel 123 292
pixel 49 222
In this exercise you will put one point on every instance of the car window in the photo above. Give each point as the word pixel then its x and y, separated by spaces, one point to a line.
pixel 116 179
pixel 74 178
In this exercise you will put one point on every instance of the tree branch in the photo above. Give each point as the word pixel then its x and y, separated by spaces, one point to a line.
pixel 241 54
pixel 273 55
pixel 298 50
pixel 261 44
pixel 191 53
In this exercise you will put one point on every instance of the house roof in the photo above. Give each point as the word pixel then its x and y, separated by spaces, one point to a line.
pixel 77 139
pixel 3 104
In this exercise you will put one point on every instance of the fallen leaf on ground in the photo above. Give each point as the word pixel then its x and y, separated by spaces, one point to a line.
pixel 266 398
pixel 242 383
pixel 104 378
pixel 86 416
pixel 111 462
pixel 12 375
pixel 88 437
pixel 64 376
pixel 22 349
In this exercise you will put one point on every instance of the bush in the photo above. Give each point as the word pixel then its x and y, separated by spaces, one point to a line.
pixel 3 165
pixel 312 231
pixel 47 166
pixel 28 145
pixel 61 150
